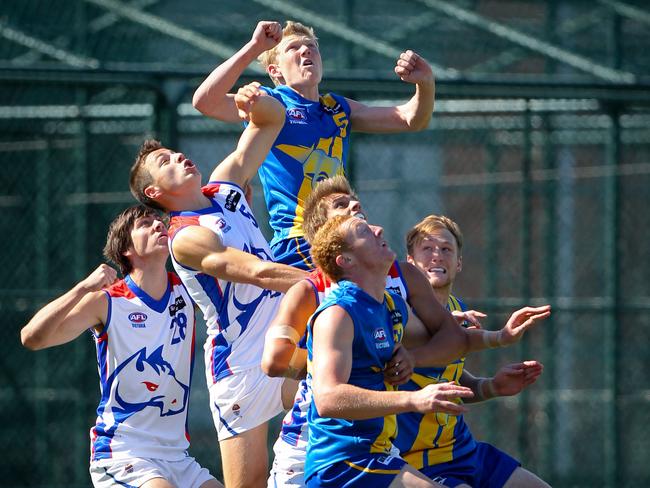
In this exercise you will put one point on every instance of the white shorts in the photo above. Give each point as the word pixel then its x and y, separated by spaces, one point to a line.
pixel 109 473
pixel 288 468
pixel 243 401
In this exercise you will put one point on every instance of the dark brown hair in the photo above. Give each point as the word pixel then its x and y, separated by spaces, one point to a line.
pixel 140 178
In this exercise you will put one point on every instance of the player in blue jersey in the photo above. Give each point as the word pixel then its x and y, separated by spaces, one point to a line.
pixel 224 261
pixel 313 143
pixel 351 338
pixel 145 355
pixel 441 446
pixel 283 355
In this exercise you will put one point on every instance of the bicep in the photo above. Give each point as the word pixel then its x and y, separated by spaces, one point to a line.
pixel 415 333
pixel 365 118
pixel 194 244
pixel 91 311
pixel 333 332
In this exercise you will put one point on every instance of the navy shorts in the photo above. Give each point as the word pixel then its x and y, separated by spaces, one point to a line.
pixel 484 467
pixel 371 470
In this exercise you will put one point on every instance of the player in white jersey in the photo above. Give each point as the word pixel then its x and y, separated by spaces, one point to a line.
pixel 284 352
pixel 224 261
pixel 143 327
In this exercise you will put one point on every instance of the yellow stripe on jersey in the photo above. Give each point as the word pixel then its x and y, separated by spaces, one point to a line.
pixel 435 438
pixel 375 471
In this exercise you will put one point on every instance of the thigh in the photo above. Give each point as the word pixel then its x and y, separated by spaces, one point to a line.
pixel 522 478
pixel 289 389
pixel 245 458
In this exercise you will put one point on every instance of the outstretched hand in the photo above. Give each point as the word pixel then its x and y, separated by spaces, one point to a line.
pixel 267 35
pixel 520 321
pixel 440 398
pixel 411 68
pixel 513 378
pixel 469 318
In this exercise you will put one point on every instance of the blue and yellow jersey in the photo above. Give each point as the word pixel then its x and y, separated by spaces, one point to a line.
pixel 434 438
pixel 312 146
pixel 376 326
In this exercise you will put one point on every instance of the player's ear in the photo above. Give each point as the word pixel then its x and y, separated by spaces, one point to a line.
pixel 409 259
pixel 343 261
pixel 274 72
pixel 152 192
pixel 459 265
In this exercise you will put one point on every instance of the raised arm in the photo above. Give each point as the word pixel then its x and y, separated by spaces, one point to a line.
pixel 211 98
pixel 333 332
pixel 414 115
pixel 282 356
pixel 448 340
pixel 266 117
pixel 66 317
pixel 199 248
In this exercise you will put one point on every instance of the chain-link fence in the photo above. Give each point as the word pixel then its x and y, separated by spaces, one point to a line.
pixel 551 194
pixel 548 177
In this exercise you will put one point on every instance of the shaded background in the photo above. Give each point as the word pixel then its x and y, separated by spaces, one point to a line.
pixel 539 148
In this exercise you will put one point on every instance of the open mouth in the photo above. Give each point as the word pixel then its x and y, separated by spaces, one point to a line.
pixel 437 270
pixel 307 62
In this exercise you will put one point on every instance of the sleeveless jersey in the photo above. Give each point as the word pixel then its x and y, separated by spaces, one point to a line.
pixel 333 439
pixel 434 438
pixel 236 314
pixel 312 146
pixel 145 356
pixel 294 430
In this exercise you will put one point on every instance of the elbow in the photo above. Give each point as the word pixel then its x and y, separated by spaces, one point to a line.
pixel 198 101
pixel 418 125
pixel 272 367
pixel 326 404
pixel 29 341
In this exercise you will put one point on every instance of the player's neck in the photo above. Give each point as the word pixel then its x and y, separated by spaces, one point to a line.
pixel 374 284
pixel 442 294
pixel 190 201
pixel 310 92
pixel 151 278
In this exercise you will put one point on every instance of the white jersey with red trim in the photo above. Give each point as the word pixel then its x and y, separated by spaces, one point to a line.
pixel 291 446
pixel 236 314
pixel 145 357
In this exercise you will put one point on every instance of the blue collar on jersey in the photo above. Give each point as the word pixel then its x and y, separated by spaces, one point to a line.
pixel 156 305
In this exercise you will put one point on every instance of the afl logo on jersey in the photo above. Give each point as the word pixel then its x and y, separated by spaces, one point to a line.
pixel 380 334
pixel 138 320
pixel 297 115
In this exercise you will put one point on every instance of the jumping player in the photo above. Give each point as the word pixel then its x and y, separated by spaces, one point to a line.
pixel 225 263
pixel 143 327
pixel 442 446
pixel 313 144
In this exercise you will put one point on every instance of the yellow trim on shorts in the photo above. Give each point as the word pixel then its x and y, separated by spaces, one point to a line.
pixel 374 471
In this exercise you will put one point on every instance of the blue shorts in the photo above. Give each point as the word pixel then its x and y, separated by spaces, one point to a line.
pixel 484 467
pixel 293 252
pixel 371 470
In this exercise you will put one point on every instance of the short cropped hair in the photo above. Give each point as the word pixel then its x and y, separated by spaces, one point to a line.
pixel 430 224
pixel 140 178
pixel 314 213
pixel 118 239
pixel 291 28
pixel 329 242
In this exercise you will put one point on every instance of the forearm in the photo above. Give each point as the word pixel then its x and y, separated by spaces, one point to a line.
pixel 211 97
pixel 417 112
pixel 354 403
pixel 482 388
pixel 40 330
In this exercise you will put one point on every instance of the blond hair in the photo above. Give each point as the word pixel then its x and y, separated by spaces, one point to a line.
pixel 427 226
pixel 291 28
pixel 314 213
pixel 329 243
